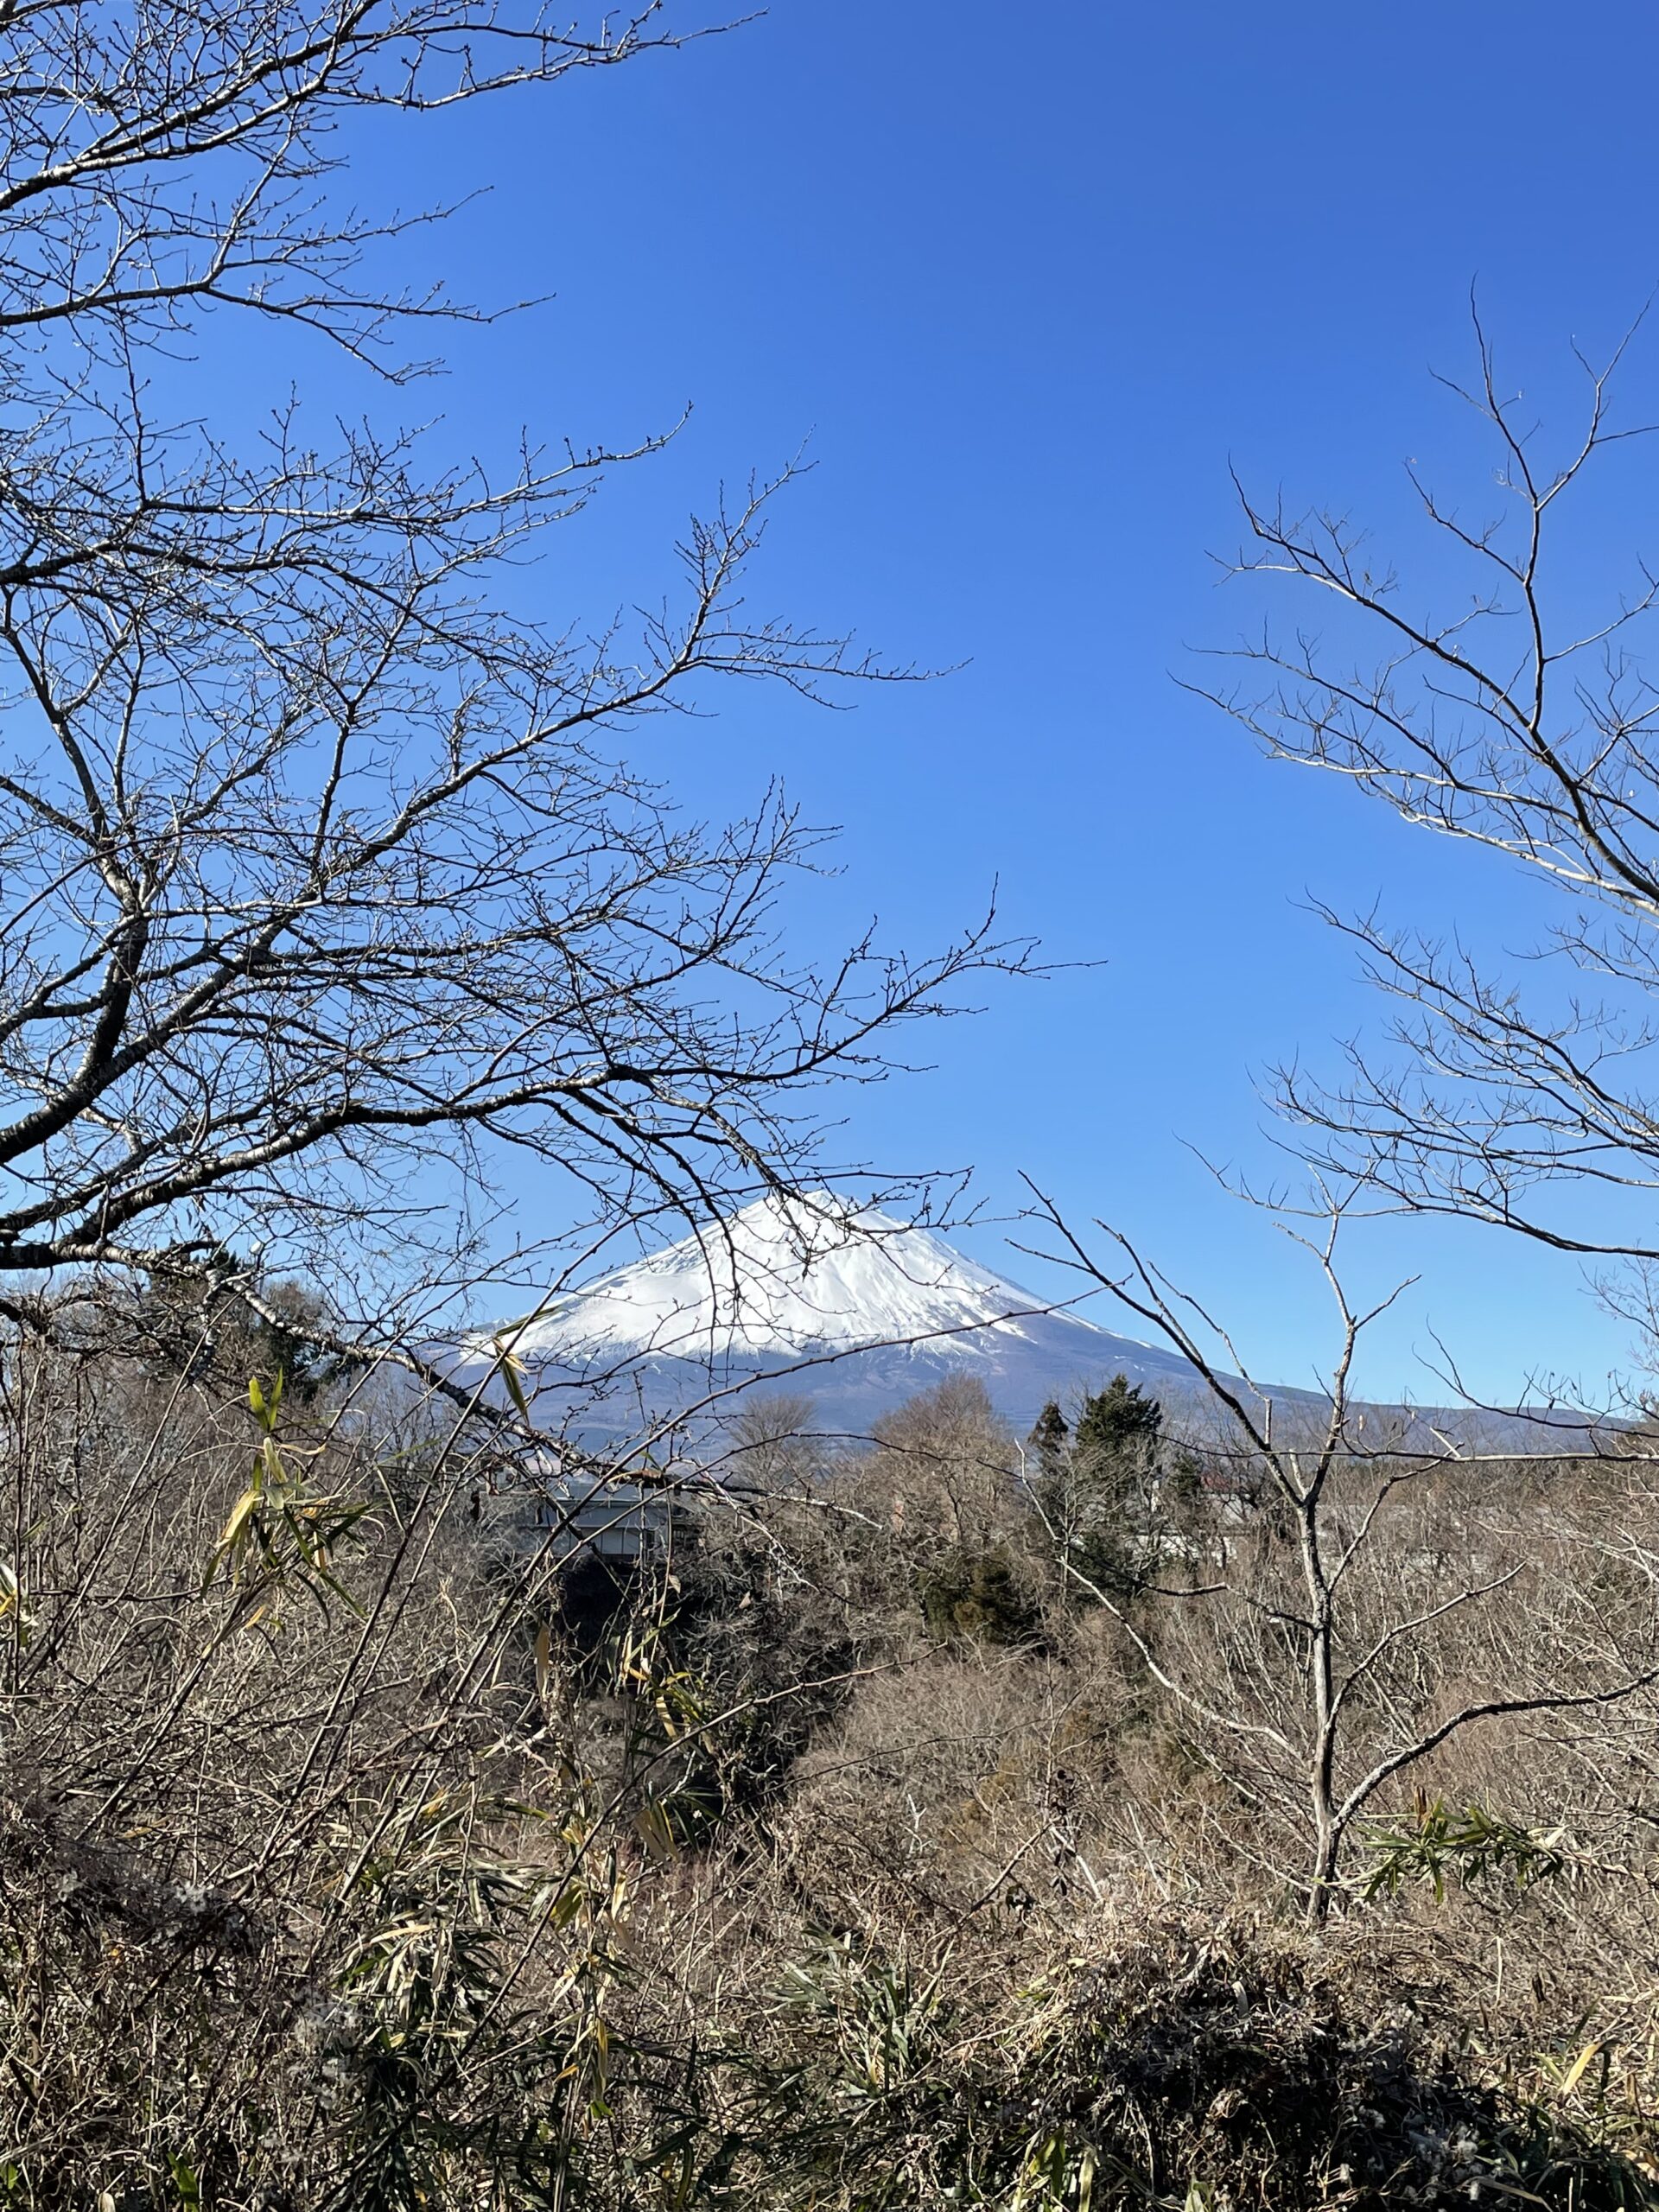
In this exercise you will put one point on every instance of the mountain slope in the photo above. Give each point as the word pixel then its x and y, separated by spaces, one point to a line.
pixel 856 1310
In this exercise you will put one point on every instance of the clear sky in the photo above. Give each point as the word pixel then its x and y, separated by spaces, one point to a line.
pixel 1030 278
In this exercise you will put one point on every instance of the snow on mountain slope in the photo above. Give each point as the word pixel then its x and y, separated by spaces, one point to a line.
pixel 853 1309
pixel 856 1310
pixel 783 1277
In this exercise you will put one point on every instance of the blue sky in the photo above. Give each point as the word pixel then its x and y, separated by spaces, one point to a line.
pixel 1030 279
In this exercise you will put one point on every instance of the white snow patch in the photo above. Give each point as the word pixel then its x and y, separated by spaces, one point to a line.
pixel 784 1276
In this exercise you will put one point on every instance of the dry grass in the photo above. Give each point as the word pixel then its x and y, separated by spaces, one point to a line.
pixel 338 1882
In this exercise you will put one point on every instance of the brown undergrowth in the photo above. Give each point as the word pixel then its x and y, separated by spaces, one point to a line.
pixel 335 1873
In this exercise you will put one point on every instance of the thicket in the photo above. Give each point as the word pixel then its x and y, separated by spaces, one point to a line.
pixel 339 1869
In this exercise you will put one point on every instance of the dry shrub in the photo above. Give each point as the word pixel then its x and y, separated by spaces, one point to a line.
pixel 335 1882
pixel 299 1904
pixel 1143 2057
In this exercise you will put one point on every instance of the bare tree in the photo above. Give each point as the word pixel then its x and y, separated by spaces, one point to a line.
pixel 318 867
pixel 1511 723
pixel 317 863
pixel 1302 1683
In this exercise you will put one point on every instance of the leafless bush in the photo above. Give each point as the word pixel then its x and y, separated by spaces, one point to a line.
pixel 324 1880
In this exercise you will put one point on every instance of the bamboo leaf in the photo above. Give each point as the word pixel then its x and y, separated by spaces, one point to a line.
pixel 1574 2073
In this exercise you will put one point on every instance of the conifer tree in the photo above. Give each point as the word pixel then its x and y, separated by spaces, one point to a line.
pixel 1098 1485
pixel 1117 1421
pixel 1051 1437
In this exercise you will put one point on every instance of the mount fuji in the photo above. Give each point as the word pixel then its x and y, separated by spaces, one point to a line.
pixel 852 1308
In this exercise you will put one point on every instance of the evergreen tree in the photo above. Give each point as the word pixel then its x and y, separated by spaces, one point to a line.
pixel 187 1321
pixel 1051 1438
pixel 1097 1488
pixel 1118 1421
pixel 978 1596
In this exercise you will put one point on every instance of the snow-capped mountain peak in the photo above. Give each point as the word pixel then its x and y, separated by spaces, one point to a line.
pixel 853 1307
pixel 783 1277
pixel 808 1294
